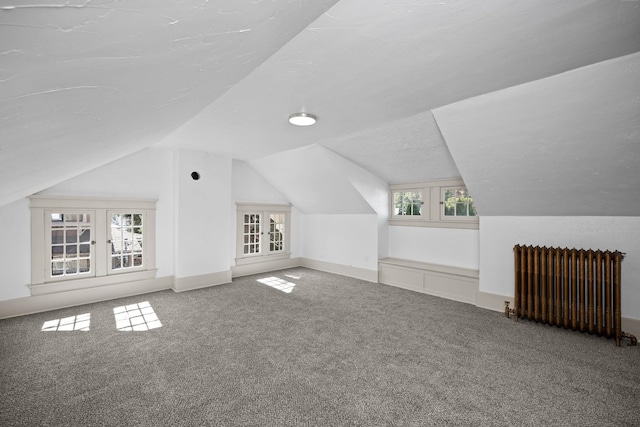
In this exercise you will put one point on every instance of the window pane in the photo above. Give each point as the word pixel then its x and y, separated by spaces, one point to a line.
pixel 251 238
pixel 458 202
pixel 71 267
pixel 85 251
pixel 57 236
pixel 276 232
pixel 57 268
pixel 57 252
pixel 408 202
pixel 72 236
pixel 84 265
pixel 85 234
pixel 137 260
pixel 127 242
pixel 67 230
pixel 127 237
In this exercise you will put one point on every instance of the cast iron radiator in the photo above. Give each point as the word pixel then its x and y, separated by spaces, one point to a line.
pixel 571 288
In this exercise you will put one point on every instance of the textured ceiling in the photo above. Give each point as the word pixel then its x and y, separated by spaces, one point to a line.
pixel 83 83
pixel 587 163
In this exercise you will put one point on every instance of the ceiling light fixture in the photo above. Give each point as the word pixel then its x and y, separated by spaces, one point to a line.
pixel 302 119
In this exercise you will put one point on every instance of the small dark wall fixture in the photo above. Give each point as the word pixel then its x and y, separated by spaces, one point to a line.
pixel 195 176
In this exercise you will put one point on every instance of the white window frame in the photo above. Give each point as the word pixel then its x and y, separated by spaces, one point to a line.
pixel 424 210
pixel 444 217
pixel 264 210
pixel 124 270
pixel 432 212
pixel 42 205
pixel 48 244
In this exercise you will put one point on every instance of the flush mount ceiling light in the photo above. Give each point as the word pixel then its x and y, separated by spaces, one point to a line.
pixel 302 119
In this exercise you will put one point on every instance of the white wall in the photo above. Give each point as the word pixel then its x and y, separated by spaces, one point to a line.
pixel 249 186
pixel 498 236
pixel 349 240
pixel 375 192
pixel 203 231
pixel 146 174
pixel 15 252
pixel 312 180
pixel 446 246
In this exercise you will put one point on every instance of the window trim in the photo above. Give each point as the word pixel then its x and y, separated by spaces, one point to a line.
pixel 432 214
pixel 264 209
pixel 41 204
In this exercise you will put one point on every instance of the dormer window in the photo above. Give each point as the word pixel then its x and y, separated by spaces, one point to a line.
pixel 443 203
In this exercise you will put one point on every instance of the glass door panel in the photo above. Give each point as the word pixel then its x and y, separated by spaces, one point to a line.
pixel 71 248
pixel 126 239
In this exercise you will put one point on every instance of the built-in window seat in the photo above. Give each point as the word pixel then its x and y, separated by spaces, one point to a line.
pixel 459 284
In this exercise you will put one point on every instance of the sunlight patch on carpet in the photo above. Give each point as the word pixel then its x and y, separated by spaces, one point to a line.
pixel 72 323
pixel 136 317
pixel 279 284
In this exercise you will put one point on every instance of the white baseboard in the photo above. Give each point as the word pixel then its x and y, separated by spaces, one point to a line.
pixel 493 302
pixel 455 284
pixel 496 303
pixel 264 267
pixel 181 284
pixel 631 326
pixel 39 303
pixel 343 270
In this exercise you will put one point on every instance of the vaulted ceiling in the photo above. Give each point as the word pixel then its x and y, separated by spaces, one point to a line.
pixel 407 90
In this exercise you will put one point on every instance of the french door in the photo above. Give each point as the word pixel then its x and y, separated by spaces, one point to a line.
pixel 70 239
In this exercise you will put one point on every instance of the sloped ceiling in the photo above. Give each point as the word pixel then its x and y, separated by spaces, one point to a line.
pixel 566 145
pixel 312 181
pixel 85 82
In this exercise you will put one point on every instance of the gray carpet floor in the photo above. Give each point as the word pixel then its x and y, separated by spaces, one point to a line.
pixel 333 351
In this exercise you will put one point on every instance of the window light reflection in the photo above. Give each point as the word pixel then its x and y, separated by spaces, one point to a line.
pixel 136 317
pixel 72 323
pixel 277 283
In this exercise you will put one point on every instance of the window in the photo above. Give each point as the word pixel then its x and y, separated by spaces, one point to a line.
pixel 126 240
pixel 69 244
pixel 407 202
pixel 457 202
pixel 443 203
pixel 263 232
pixel 80 243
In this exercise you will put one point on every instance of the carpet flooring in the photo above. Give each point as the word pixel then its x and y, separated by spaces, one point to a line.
pixel 307 348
